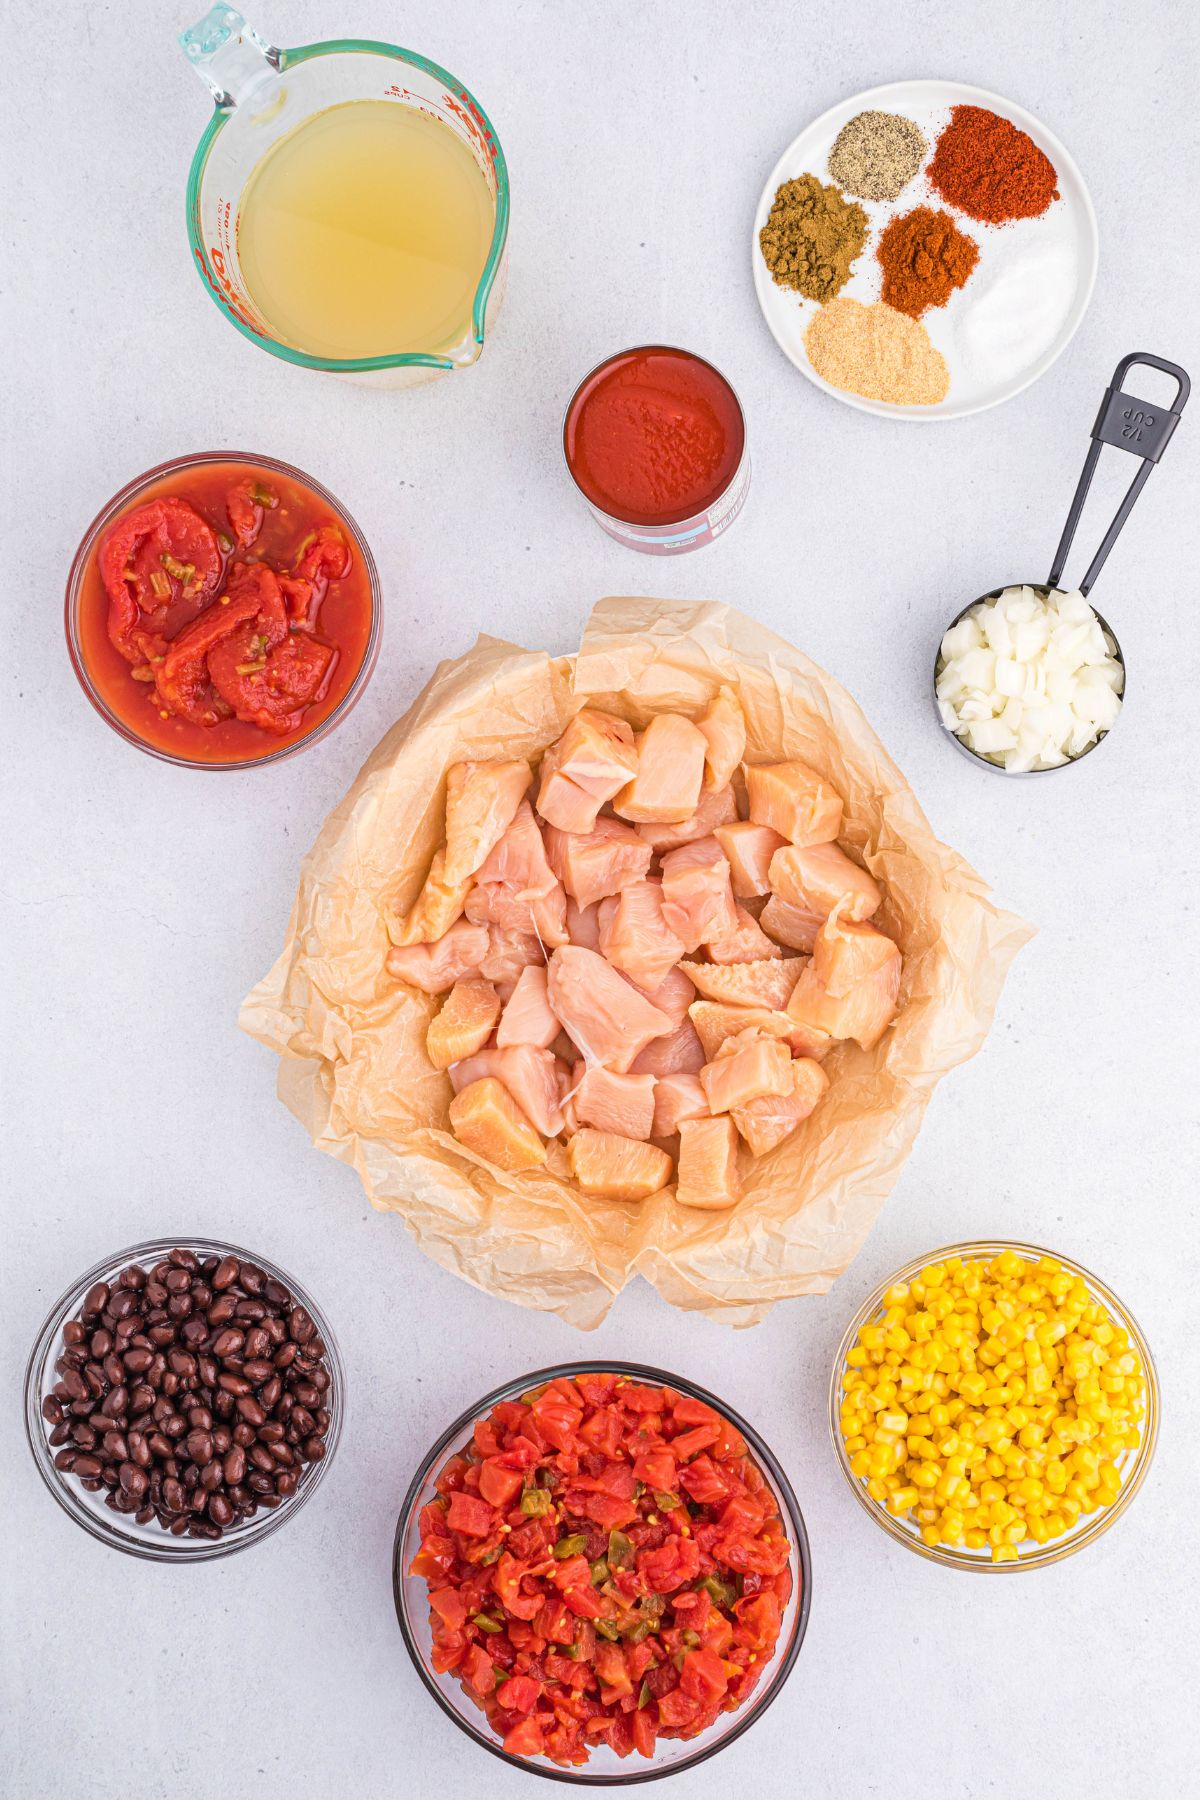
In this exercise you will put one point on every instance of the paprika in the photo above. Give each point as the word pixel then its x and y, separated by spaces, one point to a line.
pixel 924 257
pixel 991 170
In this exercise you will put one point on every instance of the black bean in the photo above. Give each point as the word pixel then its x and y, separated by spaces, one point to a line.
pixel 95 1300
pixel 52 1410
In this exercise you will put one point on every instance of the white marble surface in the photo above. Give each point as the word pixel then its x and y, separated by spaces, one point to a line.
pixel 141 902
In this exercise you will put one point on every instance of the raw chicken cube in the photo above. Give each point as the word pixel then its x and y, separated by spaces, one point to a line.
pixel 617 1168
pixel 744 1068
pixel 583 924
pixel 749 848
pixel 604 1014
pixel 749 943
pixel 565 805
pixel 790 925
pixel 766 1121
pixel 596 752
pixel 670 769
pixel 864 1013
pixel 697 899
pixel 673 995
pixel 635 936
pixel 464 1024
pixel 531 1077
pixel 435 909
pixel 485 1118
pixel 723 727
pixel 847 952
pixel 719 808
pixel 527 1016
pixel 715 1022
pixel 481 802
pixel 795 801
pixel 436 967
pixel 708 1173
pixel 508 952
pixel 618 1103
pixel 677 1097
pixel 819 877
pixel 516 888
pixel 768 983
pixel 592 865
pixel 678 1052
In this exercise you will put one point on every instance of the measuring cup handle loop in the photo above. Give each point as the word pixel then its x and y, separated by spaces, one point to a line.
pixel 229 56
pixel 1129 424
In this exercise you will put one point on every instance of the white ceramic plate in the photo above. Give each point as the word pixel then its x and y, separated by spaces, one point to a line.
pixel 1023 301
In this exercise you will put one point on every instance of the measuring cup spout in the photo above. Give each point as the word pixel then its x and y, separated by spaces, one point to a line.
pixel 229 56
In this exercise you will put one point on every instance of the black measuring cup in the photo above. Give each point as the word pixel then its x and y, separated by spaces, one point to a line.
pixel 1143 430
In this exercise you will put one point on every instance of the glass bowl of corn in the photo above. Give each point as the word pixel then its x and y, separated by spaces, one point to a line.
pixel 994 1406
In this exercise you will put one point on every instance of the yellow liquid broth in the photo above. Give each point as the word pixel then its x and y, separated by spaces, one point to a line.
pixel 364 232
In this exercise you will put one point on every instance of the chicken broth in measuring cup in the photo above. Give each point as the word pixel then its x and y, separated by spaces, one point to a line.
pixel 364 230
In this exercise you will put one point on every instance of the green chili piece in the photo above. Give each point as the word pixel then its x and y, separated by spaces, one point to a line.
pixel 490 1556
pixel 665 1502
pixel 721 1593
pixel 607 1629
pixel 486 1624
pixel 263 495
pixel 637 1632
pixel 691 1639
pixel 620 1549
pixel 644 1696
pixel 535 1502
pixel 599 1573
pixel 569 1546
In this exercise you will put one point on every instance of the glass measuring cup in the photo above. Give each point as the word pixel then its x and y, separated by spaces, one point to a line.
pixel 1142 429
pixel 261 93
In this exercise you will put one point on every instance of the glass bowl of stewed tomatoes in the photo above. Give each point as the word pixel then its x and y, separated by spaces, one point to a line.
pixel 223 611
pixel 602 1573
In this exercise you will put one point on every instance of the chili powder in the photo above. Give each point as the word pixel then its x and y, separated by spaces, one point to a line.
pixel 990 169
pixel 924 257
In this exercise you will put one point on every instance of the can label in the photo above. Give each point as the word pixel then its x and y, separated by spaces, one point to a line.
pixel 685 534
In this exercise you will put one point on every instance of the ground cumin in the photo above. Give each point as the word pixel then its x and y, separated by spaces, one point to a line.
pixel 924 257
pixel 811 237
pixel 877 352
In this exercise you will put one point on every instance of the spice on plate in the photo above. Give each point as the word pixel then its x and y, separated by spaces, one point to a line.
pixel 877 352
pixel 1030 679
pixel 876 154
pixel 195 1391
pixel 811 238
pixel 993 1402
pixel 990 169
pixel 924 257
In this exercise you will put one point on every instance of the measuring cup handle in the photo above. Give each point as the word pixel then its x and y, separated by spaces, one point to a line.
pixel 1132 425
pixel 229 56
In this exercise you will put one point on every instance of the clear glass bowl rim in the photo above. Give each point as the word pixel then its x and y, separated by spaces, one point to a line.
pixel 64 1489
pixel 454 1434
pixel 1045 1554
pixel 175 465
pixel 356 365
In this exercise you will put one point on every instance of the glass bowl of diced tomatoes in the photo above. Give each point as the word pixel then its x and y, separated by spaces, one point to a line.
pixel 602 1574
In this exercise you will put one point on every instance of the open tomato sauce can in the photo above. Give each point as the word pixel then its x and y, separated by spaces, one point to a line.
pixel 655 442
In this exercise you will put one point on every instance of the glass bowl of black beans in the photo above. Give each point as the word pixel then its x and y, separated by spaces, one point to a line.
pixel 184 1399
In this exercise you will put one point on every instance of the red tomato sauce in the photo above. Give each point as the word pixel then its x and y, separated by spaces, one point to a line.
pixel 654 436
pixel 606 1565
pixel 225 612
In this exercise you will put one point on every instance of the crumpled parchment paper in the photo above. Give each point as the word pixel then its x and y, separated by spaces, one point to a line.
pixel 351 1039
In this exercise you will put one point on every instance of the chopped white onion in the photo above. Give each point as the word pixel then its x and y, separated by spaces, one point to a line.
pixel 1029 680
